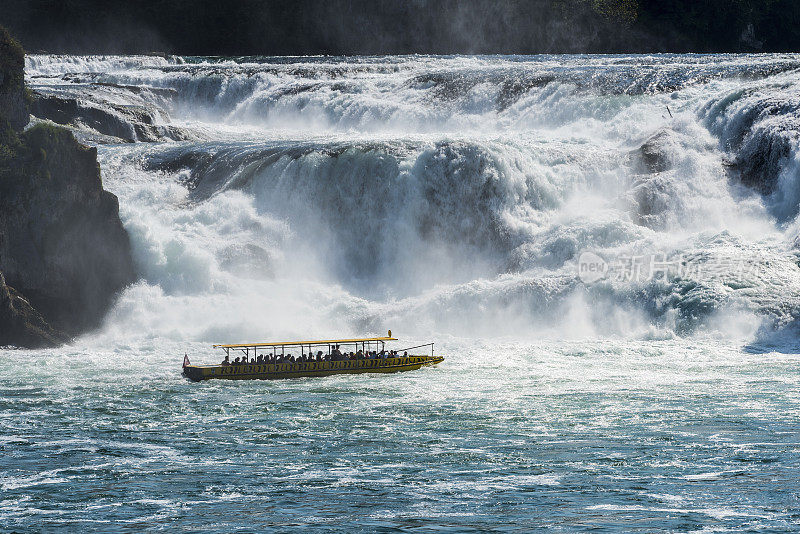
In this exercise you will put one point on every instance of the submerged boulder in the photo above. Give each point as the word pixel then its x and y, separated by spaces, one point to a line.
pixel 653 155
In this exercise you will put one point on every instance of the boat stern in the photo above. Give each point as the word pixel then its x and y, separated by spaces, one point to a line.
pixel 193 373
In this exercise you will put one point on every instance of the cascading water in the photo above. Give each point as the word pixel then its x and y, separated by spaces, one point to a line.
pixel 428 193
pixel 457 198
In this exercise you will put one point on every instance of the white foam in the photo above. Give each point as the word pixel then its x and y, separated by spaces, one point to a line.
pixel 447 194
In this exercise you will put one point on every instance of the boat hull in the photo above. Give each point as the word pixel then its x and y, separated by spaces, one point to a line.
pixel 263 371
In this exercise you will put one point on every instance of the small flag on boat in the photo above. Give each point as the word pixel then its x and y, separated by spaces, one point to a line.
pixel 186 360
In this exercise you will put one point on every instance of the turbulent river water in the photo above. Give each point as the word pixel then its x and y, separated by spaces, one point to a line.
pixel 605 249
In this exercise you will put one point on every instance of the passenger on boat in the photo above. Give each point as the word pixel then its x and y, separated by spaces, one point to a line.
pixel 405 355
pixel 227 360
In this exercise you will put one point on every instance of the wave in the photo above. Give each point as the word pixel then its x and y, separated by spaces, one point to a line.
pixel 759 128
pixel 54 64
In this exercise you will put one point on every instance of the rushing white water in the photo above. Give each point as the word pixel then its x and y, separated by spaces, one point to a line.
pixel 452 195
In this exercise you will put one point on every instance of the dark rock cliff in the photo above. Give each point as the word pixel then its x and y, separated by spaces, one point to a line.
pixel 12 83
pixel 63 251
pixel 21 324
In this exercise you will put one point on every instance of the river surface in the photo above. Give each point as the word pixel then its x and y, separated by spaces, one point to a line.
pixel 604 248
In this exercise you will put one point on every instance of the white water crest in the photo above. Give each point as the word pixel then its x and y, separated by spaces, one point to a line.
pixel 450 195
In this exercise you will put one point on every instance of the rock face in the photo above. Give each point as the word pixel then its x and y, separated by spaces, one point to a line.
pixel 12 82
pixel 123 123
pixel 62 244
pixel 21 324
pixel 63 251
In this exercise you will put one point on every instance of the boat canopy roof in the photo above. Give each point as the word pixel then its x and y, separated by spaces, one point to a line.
pixel 298 343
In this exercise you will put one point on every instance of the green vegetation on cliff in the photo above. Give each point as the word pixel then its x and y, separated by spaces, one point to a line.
pixel 13 102
pixel 12 62
pixel 23 156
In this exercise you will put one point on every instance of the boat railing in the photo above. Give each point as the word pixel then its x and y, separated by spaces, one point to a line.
pixel 418 347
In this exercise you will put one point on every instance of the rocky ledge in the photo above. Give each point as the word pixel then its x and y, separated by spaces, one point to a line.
pixel 126 124
pixel 64 253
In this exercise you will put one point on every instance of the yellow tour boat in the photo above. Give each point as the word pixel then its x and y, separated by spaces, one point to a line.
pixel 269 360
